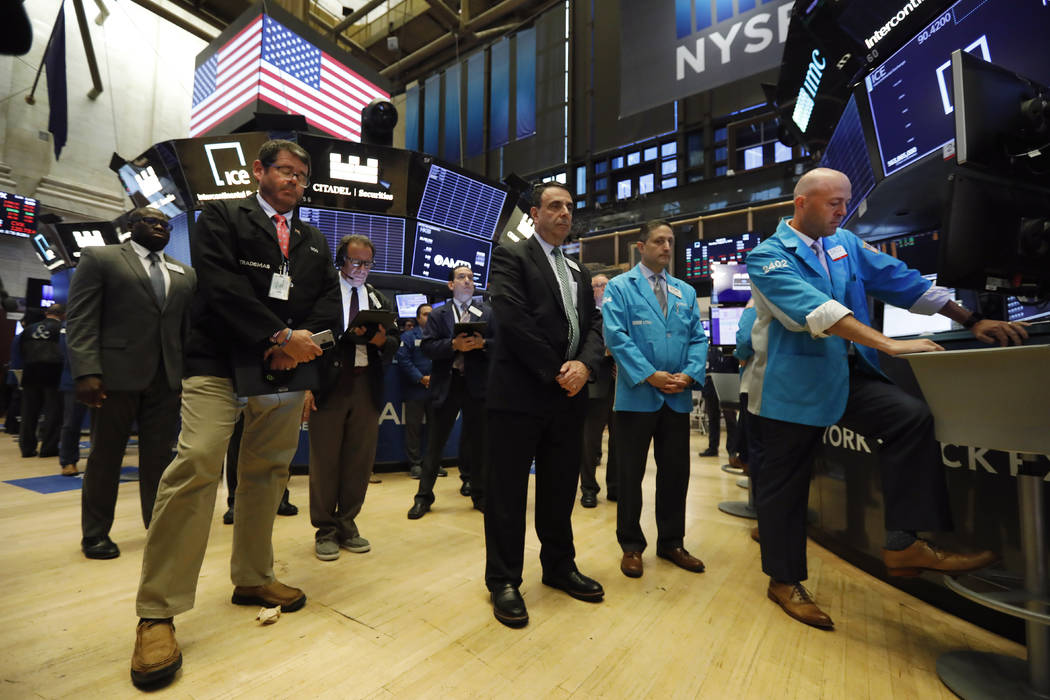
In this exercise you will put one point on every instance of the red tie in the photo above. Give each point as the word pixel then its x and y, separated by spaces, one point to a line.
pixel 282 233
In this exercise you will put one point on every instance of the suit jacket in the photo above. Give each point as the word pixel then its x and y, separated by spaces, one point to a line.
pixel 532 331
pixel 437 344
pixel 115 326
pixel 341 358
pixel 235 253
pixel 414 365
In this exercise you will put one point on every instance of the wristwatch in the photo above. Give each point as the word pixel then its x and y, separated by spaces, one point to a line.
pixel 975 316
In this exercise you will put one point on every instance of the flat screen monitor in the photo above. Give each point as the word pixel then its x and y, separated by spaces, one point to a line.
pixel 897 322
pixel 40 293
pixel 408 303
pixel 724 322
pixel 911 92
pixel 988 117
pixel 730 283
pixel 17 215
pixel 48 254
pixel 847 151
pixel 439 250
pixel 387 233
pixel 456 201
pixel 699 255
pixel 918 251
pixel 179 244
pixel 1017 310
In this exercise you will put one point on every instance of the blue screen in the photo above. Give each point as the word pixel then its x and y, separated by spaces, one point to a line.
pixel 387 233
pixel 461 203
pixel 847 151
pixel 910 93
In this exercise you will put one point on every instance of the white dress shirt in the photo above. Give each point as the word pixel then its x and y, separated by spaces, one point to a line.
pixel 143 253
pixel 548 250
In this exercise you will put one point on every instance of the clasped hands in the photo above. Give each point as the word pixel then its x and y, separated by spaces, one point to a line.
pixel 669 383
pixel 573 376
pixel 465 342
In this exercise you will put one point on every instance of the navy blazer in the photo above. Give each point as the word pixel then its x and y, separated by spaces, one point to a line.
pixel 437 344
pixel 413 364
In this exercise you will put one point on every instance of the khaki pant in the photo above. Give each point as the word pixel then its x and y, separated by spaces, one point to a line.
pixel 183 513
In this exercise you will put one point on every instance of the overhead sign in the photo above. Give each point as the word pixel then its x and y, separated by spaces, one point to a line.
pixel 671 49
pixel 219 167
pixel 356 176
pixel 76 237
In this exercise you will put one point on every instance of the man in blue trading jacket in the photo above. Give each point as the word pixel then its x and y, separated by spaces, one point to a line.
pixel 816 364
pixel 415 369
pixel 460 384
pixel 652 328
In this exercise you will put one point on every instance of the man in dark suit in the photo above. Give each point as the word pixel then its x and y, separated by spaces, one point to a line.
pixel 344 414
pixel 41 357
pixel 265 285
pixel 602 391
pixel 549 344
pixel 458 385
pixel 128 320
pixel 415 369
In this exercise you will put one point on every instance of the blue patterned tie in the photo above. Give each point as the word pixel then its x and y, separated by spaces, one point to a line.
pixel 566 300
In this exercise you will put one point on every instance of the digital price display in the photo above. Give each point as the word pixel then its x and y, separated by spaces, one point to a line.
pixel 17 215
pixel 918 251
pixel 439 250
pixel 407 304
pixel 699 255
pixel 910 93
pixel 387 233
pixel 461 203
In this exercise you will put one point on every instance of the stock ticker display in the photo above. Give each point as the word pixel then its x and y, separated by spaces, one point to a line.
pixel 699 255
pixel 461 203
pixel 386 232
pixel 17 215
pixel 439 250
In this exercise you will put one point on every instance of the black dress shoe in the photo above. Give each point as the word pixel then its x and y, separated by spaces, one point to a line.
pixel 464 490
pixel 442 471
pixel 287 508
pixel 589 500
pixel 612 497
pixel 577 585
pixel 99 548
pixel 418 510
pixel 508 606
pixel 479 505
pixel 709 453
pixel 227 517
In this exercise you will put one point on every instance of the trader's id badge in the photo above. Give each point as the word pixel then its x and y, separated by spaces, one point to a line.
pixel 280 286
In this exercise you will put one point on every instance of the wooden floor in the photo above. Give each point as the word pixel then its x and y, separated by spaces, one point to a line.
pixel 411 619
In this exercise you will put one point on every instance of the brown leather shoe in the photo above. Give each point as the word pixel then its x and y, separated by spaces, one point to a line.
pixel 69 470
pixel 754 534
pixel 798 603
pixel 923 556
pixel 271 595
pixel 681 558
pixel 631 564
pixel 156 657
pixel 738 463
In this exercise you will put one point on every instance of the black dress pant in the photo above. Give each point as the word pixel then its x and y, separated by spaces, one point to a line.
pixel 473 441
pixel 514 439
pixel 34 400
pixel 599 415
pixel 415 410
pixel 913 482
pixel 669 433
pixel 156 409
pixel 713 408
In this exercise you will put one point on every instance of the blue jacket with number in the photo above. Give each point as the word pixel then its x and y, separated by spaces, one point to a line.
pixel 799 373
pixel 643 341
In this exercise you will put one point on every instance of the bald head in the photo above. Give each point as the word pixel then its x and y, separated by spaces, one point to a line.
pixel 821 196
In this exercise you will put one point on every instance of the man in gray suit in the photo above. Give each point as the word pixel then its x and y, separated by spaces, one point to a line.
pixel 128 317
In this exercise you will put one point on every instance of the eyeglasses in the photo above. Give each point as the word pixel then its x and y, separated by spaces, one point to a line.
pixel 288 173
pixel 355 263
pixel 154 221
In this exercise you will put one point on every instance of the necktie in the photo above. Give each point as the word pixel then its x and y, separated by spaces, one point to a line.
pixel 282 233
pixel 661 295
pixel 463 311
pixel 819 250
pixel 355 306
pixel 566 300
pixel 156 278
pixel 458 363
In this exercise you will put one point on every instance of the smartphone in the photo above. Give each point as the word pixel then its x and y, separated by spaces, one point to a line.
pixel 324 339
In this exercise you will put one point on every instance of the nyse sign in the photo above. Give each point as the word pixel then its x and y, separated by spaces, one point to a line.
pixel 675 48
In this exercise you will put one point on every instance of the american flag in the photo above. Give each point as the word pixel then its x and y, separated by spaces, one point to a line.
pixel 269 62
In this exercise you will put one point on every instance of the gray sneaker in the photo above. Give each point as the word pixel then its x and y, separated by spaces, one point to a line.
pixel 326 550
pixel 358 545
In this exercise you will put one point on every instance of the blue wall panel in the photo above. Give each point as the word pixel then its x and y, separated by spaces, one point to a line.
pixel 499 95
pixel 525 106
pixel 452 99
pixel 432 115
pixel 476 104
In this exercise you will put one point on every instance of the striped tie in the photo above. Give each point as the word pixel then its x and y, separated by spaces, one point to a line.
pixel 566 300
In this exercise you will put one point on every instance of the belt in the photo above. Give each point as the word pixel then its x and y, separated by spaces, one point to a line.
pixel 360 370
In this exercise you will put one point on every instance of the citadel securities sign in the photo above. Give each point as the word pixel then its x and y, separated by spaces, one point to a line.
pixel 672 49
